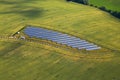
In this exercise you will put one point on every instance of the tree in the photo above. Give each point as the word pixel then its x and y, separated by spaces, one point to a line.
pixel 80 1
pixel 102 8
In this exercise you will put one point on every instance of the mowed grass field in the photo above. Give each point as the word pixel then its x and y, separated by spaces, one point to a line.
pixel 109 4
pixel 30 61
pixel 21 60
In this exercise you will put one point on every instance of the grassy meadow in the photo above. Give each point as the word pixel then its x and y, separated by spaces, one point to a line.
pixel 109 4
pixel 21 60
pixel 25 62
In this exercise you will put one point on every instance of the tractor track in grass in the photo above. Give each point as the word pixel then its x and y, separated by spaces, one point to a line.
pixel 106 57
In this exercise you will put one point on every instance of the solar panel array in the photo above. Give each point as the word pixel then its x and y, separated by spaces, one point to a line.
pixel 60 38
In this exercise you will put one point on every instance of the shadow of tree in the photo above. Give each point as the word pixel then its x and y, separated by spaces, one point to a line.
pixel 16 1
pixel 27 12
pixel 18 7
pixel 31 13
pixel 9 47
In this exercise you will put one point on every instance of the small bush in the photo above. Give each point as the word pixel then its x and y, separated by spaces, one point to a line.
pixel 109 11
pixel 116 14
pixel 95 6
pixel 91 4
pixel 69 0
pixel 102 8
pixel 80 1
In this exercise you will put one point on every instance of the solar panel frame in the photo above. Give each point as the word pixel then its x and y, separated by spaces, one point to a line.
pixel 60 38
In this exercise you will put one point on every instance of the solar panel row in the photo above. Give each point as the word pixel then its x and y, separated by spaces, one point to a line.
pixel 60 38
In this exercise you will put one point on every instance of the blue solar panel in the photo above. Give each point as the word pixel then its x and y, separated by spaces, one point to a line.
pixel 76 43
pixel 80 48
pixel 94 48
pixel 60 38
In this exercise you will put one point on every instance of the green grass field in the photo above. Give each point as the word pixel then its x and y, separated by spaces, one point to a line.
pixel 21 60
pixel 109 4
